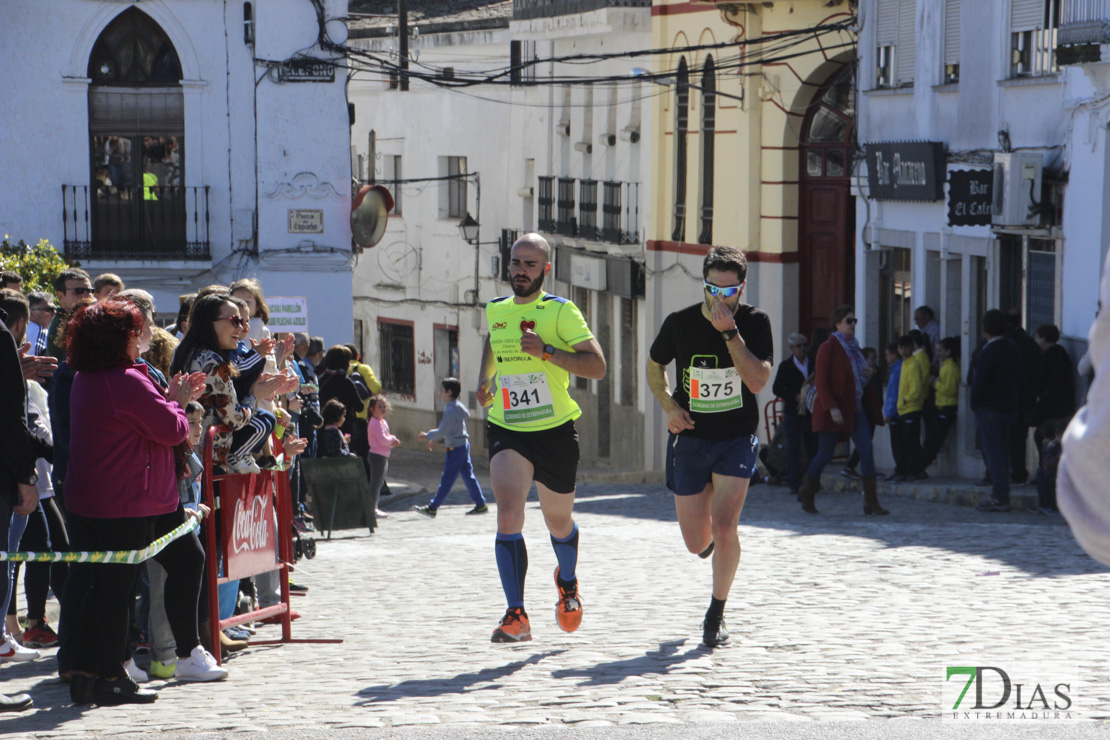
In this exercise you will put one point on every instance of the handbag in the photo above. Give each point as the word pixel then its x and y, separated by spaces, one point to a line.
pixel 808 395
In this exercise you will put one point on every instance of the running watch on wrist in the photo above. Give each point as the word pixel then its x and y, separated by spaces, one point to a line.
pixel 729 334
pixel 548 351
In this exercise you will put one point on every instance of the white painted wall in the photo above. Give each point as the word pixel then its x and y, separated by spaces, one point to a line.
pixel 301 128
pixel 1062 116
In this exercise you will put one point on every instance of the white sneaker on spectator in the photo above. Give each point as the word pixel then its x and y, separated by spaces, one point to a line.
pixel 243 465
pixel 12 652
pixel 137 674
pixel 199 666
pixel 380 514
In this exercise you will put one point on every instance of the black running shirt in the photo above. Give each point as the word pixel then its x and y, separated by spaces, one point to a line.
pixel 729 408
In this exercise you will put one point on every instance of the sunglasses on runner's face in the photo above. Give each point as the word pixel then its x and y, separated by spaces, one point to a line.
pixel 729 292
pixel 237 321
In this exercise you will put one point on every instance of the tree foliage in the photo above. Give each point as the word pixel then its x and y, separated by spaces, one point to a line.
pixel 38 265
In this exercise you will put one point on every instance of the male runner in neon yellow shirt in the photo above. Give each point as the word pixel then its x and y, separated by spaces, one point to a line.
pixel 536 341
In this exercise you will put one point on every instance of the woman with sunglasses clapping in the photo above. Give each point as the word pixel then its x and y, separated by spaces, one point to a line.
pixel 215 328
pixel 843 405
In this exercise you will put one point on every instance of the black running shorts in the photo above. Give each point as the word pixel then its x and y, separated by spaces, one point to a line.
pixel 552 452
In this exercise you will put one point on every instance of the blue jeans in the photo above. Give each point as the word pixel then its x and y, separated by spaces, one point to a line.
pixel 861 438
pixel 994 439
pixel 798 429
pixel 458 462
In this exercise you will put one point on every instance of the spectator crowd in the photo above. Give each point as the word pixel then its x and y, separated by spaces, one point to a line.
pixel 833 390
pixel 103 416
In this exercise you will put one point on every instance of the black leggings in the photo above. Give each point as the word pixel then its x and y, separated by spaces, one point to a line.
pixel 45 532
pixel 98 642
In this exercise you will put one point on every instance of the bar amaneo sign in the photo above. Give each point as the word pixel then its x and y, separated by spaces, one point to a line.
pixel 906 170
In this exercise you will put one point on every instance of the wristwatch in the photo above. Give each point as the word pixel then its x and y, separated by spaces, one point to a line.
pixel 30 480
pixel 548 351
pixel 730 334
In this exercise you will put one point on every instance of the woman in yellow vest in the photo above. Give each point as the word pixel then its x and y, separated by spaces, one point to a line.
pixel 947 388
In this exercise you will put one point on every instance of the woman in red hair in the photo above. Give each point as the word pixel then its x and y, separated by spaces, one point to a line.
pixel 121 494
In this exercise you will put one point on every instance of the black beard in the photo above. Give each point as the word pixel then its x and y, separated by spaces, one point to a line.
pixel 523 291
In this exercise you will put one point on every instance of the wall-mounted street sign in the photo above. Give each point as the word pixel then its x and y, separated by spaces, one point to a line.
pixel 306 221
pixel 906 170
pixel 969 197
pixel 306 70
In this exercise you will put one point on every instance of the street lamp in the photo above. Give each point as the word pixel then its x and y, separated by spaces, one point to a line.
pixel 668 81
pixel 468 229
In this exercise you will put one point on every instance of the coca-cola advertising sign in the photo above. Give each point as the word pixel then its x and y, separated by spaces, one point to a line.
pixel 247 503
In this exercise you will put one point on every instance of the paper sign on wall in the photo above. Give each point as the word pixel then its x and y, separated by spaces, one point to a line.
pixel 288 314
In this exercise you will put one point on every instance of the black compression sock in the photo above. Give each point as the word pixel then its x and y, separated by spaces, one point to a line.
pixel 716 610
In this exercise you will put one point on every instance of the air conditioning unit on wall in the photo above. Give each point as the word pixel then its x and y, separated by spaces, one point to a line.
pixel 1016 190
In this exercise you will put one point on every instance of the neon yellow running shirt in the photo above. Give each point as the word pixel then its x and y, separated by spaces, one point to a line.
pixel 530 394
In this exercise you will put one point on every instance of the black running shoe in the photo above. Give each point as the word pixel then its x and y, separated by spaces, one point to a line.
pixel 707 551
pixel 121 691
pixel 714 634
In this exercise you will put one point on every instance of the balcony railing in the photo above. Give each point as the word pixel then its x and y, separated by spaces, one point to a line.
pixel 159 222
pixel 620 210
pixel 525 9
pixel 1084 26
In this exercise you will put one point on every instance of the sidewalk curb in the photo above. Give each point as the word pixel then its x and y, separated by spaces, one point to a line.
pixel 958 493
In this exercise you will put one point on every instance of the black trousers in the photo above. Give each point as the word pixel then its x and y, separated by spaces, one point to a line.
pixel 1019 438
pixel 95 609
pixel 910 428
pixel 45 532
pixel 936 431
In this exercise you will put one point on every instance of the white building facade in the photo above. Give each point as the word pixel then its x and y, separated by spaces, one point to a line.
pixel 985 178
pixel 561 159
pixel 183 143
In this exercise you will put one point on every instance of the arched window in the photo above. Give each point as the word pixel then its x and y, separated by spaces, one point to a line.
pixel 708 124
pixel 681 124
pixel 134 50
pixel 137 146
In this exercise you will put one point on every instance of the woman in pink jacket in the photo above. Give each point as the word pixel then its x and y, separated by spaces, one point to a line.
pixel 121 494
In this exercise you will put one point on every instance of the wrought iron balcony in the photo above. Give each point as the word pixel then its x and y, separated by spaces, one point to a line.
pixel 158 222
pixel 525 9
pixel 1084 27
pixel 620 211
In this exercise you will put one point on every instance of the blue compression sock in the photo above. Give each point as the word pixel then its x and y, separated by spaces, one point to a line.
pixel 566 550
pixel 512 565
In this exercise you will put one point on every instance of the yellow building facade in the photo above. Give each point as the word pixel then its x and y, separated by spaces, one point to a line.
pixel 755 152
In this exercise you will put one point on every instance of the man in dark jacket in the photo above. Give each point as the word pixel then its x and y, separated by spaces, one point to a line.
pixel 996 383
pixel 1027 393
pixel 17 464
pixel 792 373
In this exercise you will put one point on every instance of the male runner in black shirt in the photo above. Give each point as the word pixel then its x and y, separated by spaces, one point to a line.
pixel 722 351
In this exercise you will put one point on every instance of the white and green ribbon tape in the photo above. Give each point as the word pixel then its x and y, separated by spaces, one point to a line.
pixel 128 557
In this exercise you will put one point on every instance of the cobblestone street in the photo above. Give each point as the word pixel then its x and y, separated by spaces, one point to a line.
pixel 834 617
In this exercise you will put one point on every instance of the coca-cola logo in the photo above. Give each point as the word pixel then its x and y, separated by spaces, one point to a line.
pixel 251 529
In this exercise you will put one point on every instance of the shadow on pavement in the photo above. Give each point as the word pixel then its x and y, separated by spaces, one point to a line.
pixel 660 661
pixel 912 523
pixel 441 685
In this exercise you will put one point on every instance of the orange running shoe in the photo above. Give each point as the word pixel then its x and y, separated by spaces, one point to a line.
pixel 514 627
pixel 568 609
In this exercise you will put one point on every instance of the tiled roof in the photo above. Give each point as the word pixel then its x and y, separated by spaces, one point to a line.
pixel 369 18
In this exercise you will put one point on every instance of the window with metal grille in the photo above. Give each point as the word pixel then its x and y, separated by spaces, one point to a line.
pixel 587 209
pixel 565 221
pixel 1033 29
pixel 398 358
pixel 611 213
pixel 545 201
pixel 681 122
pixel 708 124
